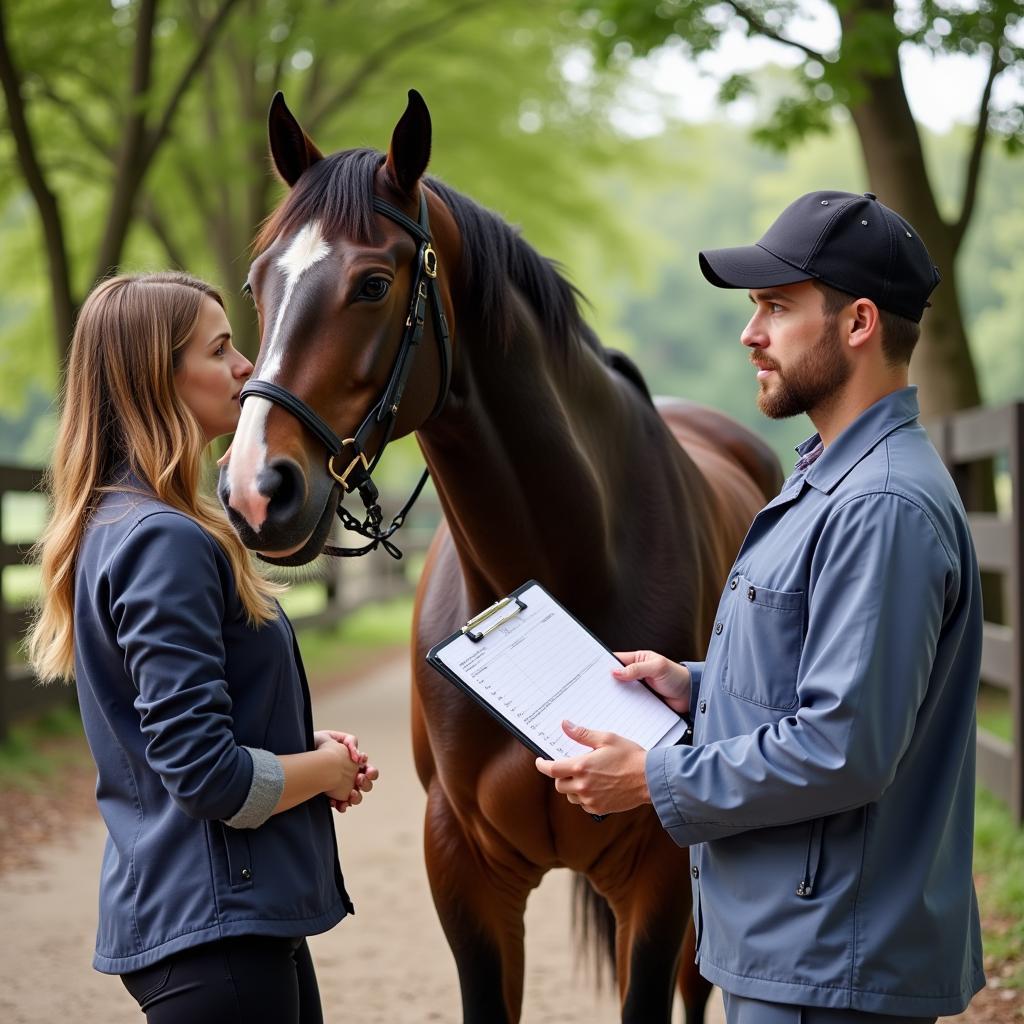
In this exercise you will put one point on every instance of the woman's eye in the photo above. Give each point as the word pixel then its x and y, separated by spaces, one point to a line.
pixel 374 289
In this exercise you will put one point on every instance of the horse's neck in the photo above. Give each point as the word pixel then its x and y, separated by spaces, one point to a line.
pixel 536 459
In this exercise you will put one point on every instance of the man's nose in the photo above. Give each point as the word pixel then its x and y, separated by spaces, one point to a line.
pixel 753 335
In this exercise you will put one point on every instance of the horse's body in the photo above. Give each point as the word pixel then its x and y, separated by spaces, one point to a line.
pixel 552 463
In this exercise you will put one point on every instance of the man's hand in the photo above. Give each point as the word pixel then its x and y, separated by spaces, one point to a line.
pixel 611 778
pixel 365 776
pixel 668 679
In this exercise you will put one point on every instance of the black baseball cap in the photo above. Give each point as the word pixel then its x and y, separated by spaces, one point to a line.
pixel 851 242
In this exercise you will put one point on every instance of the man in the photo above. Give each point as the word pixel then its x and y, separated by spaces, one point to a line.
pixel 828 797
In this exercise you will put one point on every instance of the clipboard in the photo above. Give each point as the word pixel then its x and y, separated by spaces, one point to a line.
pixel 530 663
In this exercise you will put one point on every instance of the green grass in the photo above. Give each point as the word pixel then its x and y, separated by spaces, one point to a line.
pixel 372 628
pixel 304 599
pixel 35 750
pixel 994 712
pixel 999 870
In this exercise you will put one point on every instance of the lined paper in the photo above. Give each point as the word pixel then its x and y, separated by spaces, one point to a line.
pixel 542 666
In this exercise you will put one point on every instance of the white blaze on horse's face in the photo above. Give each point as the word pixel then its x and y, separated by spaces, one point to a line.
pixel 249 448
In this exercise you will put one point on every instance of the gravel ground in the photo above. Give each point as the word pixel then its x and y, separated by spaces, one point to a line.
pixel 389 964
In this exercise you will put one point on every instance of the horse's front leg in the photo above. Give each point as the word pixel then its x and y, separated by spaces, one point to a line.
pixel 647 885
pixel 481 906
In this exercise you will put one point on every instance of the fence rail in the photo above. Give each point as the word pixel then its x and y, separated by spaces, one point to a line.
pixel 347 584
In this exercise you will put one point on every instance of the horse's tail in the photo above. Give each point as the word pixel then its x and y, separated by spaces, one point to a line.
pixel 594 927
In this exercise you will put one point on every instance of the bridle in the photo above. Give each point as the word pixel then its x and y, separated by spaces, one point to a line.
pixel 353 470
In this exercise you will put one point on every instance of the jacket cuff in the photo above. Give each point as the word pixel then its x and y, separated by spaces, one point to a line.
pixel 264 791
pixel 696 669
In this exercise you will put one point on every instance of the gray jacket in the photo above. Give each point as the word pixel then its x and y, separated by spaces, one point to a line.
pixel 829 794
pixel 184 705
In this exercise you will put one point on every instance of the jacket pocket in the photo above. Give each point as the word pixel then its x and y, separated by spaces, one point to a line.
pixel 763 649
pixel 239 856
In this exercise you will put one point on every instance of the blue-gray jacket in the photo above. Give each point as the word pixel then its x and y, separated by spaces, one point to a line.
pixel 830 789
pixel 180 699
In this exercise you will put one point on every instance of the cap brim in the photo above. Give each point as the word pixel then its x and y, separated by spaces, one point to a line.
pixel 748 266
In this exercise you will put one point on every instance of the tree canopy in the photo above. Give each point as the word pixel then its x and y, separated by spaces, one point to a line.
pixel 862 74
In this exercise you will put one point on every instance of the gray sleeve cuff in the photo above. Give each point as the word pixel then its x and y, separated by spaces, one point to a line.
pixel 264 791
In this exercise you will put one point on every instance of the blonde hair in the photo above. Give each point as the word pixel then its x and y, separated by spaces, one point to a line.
pixel 121 409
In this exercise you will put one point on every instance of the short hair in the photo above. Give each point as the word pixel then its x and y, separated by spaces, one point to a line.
pixel 899 335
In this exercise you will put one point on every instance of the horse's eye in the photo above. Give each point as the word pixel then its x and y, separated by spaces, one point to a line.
pixel 374 289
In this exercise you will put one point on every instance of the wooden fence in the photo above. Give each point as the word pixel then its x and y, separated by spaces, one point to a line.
pixel 964 438
pixel 347 584
pixel 961 439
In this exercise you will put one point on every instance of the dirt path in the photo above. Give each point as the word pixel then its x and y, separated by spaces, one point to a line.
pixel 389 964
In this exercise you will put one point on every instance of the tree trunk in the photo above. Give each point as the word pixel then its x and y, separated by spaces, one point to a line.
pixel 62 302
pixel 131 161
pixel 897 174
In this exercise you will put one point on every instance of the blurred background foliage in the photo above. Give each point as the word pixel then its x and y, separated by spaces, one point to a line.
pixel 147 121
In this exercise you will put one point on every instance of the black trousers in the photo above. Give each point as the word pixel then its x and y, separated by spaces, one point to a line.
pixel 251 979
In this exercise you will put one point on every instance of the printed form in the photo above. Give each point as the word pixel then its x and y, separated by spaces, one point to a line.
pixel 542 666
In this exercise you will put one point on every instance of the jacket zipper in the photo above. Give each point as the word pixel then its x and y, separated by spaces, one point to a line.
pixel 813 859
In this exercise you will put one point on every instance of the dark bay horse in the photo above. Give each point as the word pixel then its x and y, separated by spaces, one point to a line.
pixel 550 461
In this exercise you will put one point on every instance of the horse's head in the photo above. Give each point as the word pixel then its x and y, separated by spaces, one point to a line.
pixel 353 347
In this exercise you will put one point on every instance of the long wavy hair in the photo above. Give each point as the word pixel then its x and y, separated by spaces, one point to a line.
pixel 120 410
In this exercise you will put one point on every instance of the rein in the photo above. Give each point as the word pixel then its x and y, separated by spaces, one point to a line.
pixel 383 415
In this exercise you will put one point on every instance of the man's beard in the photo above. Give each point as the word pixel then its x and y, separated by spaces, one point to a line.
pixel 811 382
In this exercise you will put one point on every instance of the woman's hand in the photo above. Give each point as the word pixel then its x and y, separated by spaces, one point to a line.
pixel 365 776
pixel 668 679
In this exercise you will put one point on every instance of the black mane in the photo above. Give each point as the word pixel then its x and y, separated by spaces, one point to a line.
pixel 338 191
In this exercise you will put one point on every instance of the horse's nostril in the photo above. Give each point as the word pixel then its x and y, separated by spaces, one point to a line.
pixel 282 482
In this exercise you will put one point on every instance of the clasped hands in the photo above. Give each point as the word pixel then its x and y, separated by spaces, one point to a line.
pixel 355 775
pixel 612 776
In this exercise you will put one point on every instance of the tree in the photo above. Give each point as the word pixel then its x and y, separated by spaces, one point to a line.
pixel 142 116
pixel 140 134
pixel 863 75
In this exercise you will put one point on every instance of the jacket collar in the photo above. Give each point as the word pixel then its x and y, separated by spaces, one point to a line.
pixel 873 425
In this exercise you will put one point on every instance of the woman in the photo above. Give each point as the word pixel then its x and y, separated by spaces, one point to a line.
pixel 215 790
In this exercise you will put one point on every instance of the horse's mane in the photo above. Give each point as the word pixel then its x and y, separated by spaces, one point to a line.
pixel 338 192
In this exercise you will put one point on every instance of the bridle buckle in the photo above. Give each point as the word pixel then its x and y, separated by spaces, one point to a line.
pixel 429 261
pixel 342 477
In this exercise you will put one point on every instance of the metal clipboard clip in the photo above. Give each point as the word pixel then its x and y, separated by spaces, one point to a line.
pixel 476 637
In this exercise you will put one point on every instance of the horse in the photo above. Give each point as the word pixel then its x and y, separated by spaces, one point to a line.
pixel 390 304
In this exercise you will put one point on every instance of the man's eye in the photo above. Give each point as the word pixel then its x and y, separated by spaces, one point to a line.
pixel 374 289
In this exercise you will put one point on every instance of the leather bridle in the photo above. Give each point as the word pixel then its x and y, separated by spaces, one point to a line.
pixel 352 469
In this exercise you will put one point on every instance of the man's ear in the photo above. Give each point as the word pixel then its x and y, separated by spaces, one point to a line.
pixel 409 152
pixel 292 149
pixel 864 322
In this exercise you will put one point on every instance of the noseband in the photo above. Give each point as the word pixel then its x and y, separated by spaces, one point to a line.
pixel 352 468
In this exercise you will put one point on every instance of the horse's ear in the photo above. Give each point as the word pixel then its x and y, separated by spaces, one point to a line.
pixel 291 147
pixel 409 152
